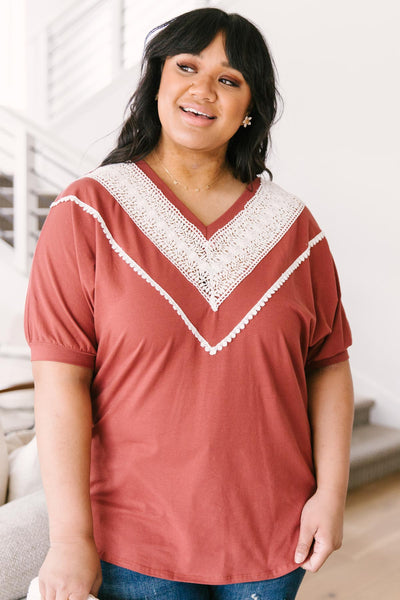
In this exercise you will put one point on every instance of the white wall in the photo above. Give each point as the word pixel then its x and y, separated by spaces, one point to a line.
pixel 337 147
pixel 41 12
pixel 95 126
pixel 12 53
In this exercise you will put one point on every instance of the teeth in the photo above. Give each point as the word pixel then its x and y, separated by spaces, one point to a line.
pixel 196 112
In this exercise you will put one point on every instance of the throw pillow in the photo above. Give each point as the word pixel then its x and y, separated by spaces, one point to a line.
pixel 24 471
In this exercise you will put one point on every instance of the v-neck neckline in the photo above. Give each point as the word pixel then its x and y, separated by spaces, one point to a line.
pixel 207 230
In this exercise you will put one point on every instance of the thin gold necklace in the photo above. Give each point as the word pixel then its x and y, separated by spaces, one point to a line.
pixel 176 182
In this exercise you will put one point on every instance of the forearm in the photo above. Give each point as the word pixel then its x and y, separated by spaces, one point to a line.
pixel 63 425
pixel 331 408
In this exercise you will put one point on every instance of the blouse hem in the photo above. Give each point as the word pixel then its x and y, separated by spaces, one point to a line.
pixel 180 577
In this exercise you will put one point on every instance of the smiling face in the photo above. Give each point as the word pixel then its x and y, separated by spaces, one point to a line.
pixel 202 100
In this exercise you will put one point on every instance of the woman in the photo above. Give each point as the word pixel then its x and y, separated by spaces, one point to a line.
pixel 189 309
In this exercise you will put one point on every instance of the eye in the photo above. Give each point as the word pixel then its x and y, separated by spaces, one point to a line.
pixel 185 67
pixel 229 82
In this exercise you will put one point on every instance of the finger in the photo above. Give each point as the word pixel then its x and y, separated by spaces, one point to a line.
pixel 81 595
pixel 318 556
pixel 46 593
pixel 61 594
pixel 97 584
pixel 306 539
pixel 37 590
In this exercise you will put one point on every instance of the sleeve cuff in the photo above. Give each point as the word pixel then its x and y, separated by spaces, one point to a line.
pixel 325 362
pixel 53 352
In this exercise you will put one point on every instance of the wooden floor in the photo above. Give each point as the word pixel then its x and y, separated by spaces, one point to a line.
pixel 367 567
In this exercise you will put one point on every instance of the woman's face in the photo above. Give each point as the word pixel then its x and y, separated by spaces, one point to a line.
pixel 202 100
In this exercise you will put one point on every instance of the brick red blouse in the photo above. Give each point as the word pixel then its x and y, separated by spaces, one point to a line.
pixel 200 339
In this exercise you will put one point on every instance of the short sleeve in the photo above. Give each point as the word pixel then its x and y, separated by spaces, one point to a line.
pixel 59 311
pixel 330 335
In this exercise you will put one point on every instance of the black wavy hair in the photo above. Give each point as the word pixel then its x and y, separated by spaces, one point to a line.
pixel 247 52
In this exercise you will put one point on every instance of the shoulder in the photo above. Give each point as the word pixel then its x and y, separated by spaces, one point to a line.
pixel 278 193
pixel 98 190
pixel 283 204
pixel 116 175
pixel 98 178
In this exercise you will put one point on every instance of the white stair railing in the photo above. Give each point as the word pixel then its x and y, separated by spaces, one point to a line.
pixel 40 167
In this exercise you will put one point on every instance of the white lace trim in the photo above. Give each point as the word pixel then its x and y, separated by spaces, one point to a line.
pixel 215 266
pixel 212 350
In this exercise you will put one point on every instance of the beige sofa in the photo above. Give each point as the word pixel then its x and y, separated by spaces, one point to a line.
pixel 23 515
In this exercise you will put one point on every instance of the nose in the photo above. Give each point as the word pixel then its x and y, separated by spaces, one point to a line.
pixel 202 88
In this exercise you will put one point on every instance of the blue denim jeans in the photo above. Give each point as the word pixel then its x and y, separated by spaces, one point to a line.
pixel 123 584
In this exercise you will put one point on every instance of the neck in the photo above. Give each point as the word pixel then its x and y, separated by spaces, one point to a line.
pixel 191 169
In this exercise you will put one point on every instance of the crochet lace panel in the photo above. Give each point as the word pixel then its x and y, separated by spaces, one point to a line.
pixel 223 343
pixel 215 266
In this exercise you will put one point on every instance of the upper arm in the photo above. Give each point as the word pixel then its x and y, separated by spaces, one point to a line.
pixel 54 374
pixel 59 311
pixel 330 385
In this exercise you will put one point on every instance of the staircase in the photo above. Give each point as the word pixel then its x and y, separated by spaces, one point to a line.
pixel 40 212
pixel 375 449
pixel 35 166
pixel 6 209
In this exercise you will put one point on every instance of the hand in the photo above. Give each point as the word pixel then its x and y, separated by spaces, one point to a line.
pixel 321 529
pixel 71 570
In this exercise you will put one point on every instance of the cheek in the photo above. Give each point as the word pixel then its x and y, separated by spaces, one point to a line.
pixel 164 92
pixel 236 113
pixel 238 106
pixel 165 107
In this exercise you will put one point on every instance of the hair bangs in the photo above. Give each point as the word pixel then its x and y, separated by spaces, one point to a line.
pixel 186 34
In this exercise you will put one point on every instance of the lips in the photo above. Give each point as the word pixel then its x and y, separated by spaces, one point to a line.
pixel 197 113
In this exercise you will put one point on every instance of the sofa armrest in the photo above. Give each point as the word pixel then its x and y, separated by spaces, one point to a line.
pixel 24 542
pixel 3 466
